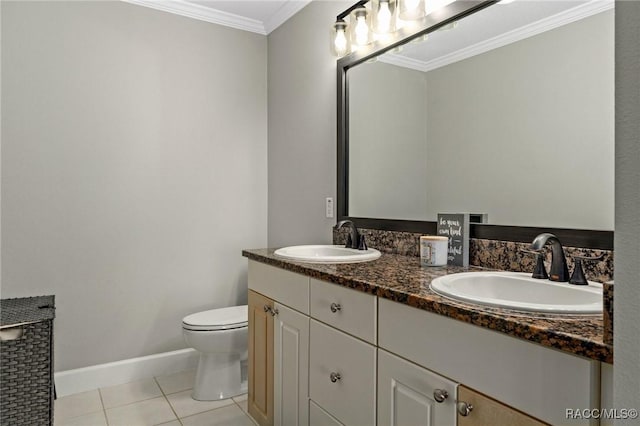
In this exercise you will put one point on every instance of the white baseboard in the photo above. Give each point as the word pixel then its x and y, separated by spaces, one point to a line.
pixel 125 371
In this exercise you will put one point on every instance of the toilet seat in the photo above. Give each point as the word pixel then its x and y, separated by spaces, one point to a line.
pixel 217 319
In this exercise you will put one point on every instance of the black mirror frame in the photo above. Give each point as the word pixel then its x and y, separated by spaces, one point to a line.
pixel 452 12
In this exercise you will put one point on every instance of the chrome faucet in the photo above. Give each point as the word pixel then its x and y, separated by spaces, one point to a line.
pixel 354 239
pixel 559 270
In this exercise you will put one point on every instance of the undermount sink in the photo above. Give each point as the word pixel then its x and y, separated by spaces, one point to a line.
pixel 517 290
pixel 327 254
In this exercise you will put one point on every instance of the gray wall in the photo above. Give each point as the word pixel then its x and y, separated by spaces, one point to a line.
pixel 302 126
pixel 627 240
pixel 387 142
pixel 133 170
pixel 531 128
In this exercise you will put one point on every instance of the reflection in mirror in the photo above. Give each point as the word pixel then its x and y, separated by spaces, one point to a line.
pixel 465 122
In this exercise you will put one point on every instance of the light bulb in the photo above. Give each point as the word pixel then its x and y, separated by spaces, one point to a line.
pixel 362 31
pixel 411 5
pixel 340 45
pixel 384 17
pixel 412 10
pixel 340 42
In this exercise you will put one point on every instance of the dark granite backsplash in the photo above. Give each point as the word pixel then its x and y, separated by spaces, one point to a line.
pixel 494 254
pixel 503 255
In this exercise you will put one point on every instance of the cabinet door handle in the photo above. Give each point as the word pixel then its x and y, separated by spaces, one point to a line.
pixel 334 377
pixel 274 312
pixel 335 307
pixel 267 308
pixel 464 409
pixel 440 395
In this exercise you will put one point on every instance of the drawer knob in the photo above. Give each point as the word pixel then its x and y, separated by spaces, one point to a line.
pixel 334 377
pixel 440 395
pixel 335 307
pixel 464 409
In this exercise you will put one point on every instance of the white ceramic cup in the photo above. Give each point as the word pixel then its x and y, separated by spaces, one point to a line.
pixel 433 250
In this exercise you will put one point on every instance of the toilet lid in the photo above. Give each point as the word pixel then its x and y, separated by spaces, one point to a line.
pixel 218 319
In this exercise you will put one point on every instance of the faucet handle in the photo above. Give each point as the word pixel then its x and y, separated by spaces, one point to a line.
pixel 577 277
pixel 540 271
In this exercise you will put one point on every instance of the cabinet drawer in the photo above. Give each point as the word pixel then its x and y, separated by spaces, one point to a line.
pixel 351 311
pixel 352 397
pixel 319 417
pixel 286 287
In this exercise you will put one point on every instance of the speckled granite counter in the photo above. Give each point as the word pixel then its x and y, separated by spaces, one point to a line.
pixel 402 279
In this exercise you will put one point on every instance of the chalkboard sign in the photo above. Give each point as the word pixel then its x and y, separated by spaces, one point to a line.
pixel 456 227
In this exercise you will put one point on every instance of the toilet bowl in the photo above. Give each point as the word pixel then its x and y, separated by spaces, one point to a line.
pixel 220 336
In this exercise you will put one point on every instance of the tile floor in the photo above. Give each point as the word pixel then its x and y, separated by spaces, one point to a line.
pixel 163 400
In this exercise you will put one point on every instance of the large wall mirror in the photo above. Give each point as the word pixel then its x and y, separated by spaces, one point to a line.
pixel 507 110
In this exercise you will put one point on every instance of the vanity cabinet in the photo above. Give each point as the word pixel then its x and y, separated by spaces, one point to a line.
pixel 323 354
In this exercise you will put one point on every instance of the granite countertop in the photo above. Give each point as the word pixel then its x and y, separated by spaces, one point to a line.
pixel 402 279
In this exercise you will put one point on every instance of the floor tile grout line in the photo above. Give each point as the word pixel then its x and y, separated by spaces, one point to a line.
pixel 104 410
pixel 174 392
pixel 164 395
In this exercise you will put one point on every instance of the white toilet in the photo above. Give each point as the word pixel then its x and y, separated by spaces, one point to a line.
pixel 220 335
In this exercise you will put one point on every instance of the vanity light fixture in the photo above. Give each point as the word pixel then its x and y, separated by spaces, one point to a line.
pixel 369 20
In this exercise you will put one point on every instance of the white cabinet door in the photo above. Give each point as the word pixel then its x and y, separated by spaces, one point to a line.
pixel 409 395
pixel 291 369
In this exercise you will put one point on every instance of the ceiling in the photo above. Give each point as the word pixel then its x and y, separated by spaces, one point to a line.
pixel 258 16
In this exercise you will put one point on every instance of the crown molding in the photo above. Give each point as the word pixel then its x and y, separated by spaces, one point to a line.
pixel 287 10
pixel 403 61
pixel 202 13
pixel 574 14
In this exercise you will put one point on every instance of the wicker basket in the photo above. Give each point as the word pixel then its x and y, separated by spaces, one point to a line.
pixel 26 361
